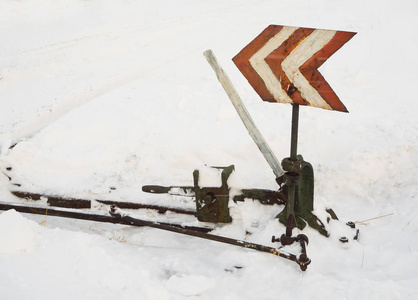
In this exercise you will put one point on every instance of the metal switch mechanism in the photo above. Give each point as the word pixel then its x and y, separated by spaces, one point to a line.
pixel 296 174
pixel 212 196
pixel 212 202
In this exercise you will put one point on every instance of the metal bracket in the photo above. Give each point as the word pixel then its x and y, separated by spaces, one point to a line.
pixel 212 202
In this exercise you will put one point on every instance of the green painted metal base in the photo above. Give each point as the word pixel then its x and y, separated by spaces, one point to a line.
pixel 300 175
pixel 212 202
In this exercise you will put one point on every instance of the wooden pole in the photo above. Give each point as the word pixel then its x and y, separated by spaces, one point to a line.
pixel 244 115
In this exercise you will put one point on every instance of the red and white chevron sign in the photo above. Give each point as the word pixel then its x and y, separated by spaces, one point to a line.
pixel 282 65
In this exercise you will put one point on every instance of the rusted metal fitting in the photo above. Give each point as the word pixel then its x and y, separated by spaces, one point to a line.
pixel 285 240
pixel 351 224
pixel 343 239
pixel 292 166
pixel 303 260
pixel 356 237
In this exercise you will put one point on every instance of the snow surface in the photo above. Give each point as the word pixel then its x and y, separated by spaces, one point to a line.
pixel 103 97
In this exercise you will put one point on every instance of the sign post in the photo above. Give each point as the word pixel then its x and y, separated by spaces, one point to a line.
pixel 281 64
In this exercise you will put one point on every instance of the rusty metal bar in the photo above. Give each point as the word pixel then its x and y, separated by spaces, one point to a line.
pixel 118 217
pixel 46 211
pixel 118 214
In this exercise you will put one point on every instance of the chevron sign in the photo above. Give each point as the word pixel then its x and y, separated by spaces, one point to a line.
pixel 282 63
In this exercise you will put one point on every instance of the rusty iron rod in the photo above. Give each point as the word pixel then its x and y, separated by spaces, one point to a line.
pixel 117 217
pixel 80 215
pixel 118 214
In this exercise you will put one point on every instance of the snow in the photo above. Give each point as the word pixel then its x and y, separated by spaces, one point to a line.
pixel 104 97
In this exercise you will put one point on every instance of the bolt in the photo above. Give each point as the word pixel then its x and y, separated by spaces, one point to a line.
pixel 343 239
pixel 351 224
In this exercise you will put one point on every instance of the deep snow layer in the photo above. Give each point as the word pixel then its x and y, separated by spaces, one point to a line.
pixel 102 98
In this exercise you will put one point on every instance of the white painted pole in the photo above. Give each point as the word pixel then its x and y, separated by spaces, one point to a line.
pixel 244 115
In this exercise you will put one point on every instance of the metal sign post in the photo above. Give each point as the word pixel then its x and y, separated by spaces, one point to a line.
pixel 281 64
pixel 292 177
pixel 299 180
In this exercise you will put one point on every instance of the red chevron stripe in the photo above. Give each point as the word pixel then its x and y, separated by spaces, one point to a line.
pixel 310 69
pixel 275 59
pixel 241 60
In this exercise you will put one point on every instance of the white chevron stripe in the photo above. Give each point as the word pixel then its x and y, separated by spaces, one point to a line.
pixel 259 64
pixel 305 50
